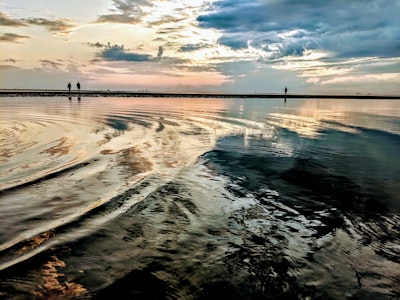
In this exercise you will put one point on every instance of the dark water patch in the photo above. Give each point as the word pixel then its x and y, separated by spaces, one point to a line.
pixel 335 190
pixel 121 122
pixel 367 158
pixel 160 127
pixel 238 164
pixel 252 273
pixel 138 284
pixel 116 123
pixel 349 175
pixel 312 199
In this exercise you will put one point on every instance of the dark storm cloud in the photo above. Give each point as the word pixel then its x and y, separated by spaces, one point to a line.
pixel 349 28
pixel 234 41
pixel 128 11
pixel 12 38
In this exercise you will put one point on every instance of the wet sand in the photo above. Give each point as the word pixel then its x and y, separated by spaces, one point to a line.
pixel 109 93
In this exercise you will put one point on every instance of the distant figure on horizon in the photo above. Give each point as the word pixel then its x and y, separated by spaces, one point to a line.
pixel 285 93
pixel 69 87
pixel 78 85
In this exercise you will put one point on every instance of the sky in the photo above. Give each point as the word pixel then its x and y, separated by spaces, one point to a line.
pixel 249 46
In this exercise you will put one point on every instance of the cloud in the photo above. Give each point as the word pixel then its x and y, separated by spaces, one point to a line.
pixel 166 20
pixel 11 60
pixel 26 78
pixel 256 77
pixel 364 78
pixel 118 18
pixel 97 45
pixel 194 47
pixel 49 64
pixel 8 67
pixel 124 11
pixel 12 38
pixel 119 53
pixel 316 40
pixel 58 25
pixel 5 20
pixel 352 28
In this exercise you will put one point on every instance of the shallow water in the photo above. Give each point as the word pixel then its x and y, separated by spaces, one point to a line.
pixel 199 198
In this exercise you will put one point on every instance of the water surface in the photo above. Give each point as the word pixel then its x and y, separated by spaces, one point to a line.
pixel 199 198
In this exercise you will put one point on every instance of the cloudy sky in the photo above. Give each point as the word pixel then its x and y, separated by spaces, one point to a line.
pixel 330 46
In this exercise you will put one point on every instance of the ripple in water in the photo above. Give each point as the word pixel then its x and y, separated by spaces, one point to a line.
pixel 199 198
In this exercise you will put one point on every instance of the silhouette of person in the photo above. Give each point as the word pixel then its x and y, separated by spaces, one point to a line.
pixel 285 93
pixel 69 87
pixel 78 85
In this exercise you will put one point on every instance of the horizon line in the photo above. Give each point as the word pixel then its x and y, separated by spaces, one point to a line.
pixel 146 93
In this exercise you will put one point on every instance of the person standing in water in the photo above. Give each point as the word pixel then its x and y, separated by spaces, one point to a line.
pixel 78 85
pixel 69 87
pixel 285 93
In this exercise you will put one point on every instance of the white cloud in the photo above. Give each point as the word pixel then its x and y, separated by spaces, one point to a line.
pixel 366 78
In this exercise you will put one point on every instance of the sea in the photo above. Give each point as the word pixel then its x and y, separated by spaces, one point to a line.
pixel 199 198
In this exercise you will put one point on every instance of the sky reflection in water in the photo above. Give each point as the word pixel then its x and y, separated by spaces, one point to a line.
pixel 199 197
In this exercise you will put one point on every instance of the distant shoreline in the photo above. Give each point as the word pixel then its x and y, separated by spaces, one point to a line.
pixel 108 93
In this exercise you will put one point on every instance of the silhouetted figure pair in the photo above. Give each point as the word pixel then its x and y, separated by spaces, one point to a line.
pixel 78 86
